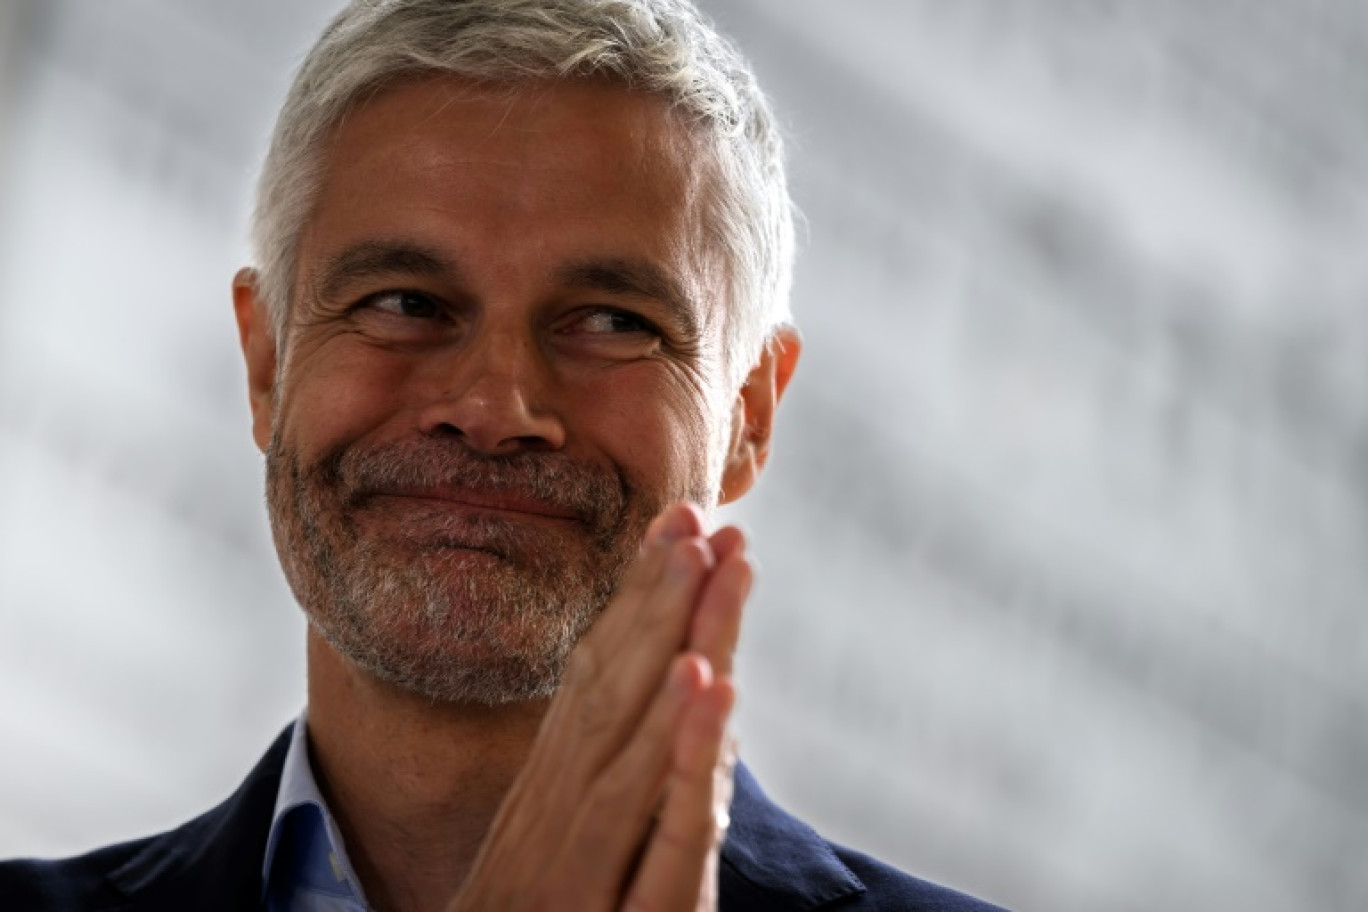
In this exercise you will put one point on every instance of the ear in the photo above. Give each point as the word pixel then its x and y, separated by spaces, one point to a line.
pixel 257 335
pixel 753 413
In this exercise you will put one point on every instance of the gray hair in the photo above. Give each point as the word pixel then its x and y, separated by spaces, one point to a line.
pixel 663 47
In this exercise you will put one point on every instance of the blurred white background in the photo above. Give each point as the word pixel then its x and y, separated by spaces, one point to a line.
pixel 1065 542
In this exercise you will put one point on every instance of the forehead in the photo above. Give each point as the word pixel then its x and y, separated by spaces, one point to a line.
pixel 554 170
pixel 564 124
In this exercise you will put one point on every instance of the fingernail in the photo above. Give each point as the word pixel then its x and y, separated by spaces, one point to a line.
pixel 680 679
pixel 688 669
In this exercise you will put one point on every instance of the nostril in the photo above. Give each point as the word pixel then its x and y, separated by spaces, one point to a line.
pixel 492 408
pixel 492 444
pixel 445 431
pixel 534 442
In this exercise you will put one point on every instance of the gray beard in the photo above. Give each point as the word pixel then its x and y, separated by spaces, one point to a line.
pixel 481 609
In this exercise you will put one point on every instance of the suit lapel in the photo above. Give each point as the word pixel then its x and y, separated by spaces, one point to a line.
pixel 214 861
pixel 772 860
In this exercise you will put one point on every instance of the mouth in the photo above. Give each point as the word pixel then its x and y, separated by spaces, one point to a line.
pixel 507 504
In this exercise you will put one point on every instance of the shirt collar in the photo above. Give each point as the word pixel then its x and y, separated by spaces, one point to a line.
pixel 305 849
pixel 765 847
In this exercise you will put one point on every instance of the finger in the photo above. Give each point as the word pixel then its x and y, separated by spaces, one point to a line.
pixel 679 523
pixel 726 541
pixel 611 680
pixel 545 774
pixel 675 523
pixel 671 875
pixel 724 782
pixel 716 624
pixel 616 672
pixel 617 809
pixel 620 675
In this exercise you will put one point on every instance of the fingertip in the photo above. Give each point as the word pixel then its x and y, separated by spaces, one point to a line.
pixel 745 566
pixel 727 541
pixel 752 570
pixel 736 574
pixel 677 521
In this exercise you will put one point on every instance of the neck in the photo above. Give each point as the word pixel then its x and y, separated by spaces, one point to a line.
pixel 414 784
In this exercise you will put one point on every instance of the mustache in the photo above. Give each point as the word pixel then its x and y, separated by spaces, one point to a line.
pixel 595 496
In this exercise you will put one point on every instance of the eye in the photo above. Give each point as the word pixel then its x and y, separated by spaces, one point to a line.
pixel 610 332
pixel 615 322
pixel 411 304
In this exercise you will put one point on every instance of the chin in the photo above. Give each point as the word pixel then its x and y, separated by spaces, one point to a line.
pixel 465 627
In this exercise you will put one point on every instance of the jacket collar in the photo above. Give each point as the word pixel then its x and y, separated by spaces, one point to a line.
pixel 770 855
pixel 214 861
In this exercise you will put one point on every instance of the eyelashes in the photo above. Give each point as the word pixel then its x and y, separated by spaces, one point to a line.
pixel 410 316
pixel 409 304
pixel 612 321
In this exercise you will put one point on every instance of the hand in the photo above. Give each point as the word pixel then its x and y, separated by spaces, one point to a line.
pixel 617 807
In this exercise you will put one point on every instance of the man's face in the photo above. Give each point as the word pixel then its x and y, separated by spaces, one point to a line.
pixel 504 358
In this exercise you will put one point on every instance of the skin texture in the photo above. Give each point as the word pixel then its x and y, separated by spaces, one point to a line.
pixel 508 295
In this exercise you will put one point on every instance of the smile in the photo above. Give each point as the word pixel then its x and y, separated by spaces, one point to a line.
pixel 476 501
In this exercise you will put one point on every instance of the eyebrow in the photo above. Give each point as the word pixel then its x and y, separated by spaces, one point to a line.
pixel 639 278
pixel 369 259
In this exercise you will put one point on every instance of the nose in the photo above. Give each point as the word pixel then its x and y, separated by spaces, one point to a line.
pixel 492 394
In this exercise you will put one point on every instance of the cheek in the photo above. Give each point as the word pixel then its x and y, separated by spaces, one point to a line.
pixel 332 394
pixel 657 427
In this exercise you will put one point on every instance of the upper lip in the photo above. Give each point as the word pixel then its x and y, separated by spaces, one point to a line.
pixel 505 501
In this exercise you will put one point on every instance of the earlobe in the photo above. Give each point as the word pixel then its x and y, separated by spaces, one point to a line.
pixel 753 414
pixel 257 335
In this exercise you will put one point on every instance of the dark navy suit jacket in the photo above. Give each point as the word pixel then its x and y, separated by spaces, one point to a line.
pixel 771 862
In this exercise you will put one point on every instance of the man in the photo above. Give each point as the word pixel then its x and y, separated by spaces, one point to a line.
pixel 518 324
